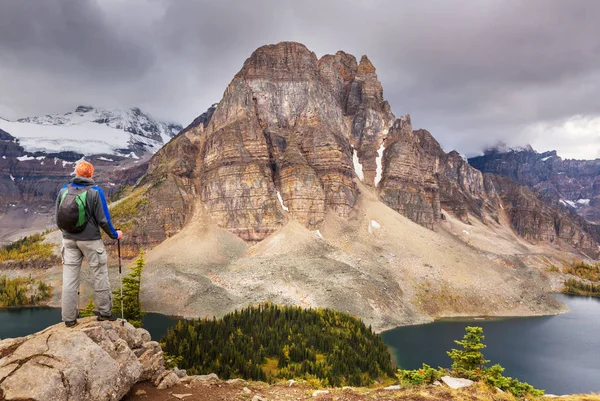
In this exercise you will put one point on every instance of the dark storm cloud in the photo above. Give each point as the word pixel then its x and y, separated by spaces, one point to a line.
pixel 68 36
pixel 472 72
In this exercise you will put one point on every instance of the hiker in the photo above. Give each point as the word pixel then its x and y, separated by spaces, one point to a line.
pixel 81 210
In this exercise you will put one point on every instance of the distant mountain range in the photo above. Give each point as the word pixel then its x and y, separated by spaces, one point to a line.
pixel 89 130
pixel 575 184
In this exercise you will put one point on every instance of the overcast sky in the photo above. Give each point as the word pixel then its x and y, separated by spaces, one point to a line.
pixel 474 73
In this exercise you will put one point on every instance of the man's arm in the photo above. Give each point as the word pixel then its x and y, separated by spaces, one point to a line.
pixel 102 215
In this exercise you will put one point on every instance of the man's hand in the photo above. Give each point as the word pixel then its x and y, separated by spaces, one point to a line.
pixel 119 234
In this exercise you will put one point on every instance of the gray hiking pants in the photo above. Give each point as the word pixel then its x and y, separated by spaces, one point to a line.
pixel 72 255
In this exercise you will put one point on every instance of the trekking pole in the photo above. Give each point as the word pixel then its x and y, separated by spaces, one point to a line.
pixel 120 277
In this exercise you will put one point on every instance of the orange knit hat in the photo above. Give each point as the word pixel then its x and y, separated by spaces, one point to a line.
pixel 84 169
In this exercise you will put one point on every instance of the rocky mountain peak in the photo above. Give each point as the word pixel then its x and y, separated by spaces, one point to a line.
pixel 83 109
pixel 365 66
pixel 284 60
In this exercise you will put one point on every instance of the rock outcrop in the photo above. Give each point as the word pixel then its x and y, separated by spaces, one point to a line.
pixel 93 361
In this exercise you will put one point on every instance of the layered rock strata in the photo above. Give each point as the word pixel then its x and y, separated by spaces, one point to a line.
pixel 280 143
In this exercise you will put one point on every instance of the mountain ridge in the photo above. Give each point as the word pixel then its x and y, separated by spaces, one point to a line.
pixel 575 184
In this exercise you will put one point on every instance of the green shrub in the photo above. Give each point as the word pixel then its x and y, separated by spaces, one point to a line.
pixel 494 377
pixel 425 375
pixel 88 310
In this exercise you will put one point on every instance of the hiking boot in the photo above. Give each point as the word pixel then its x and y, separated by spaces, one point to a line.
pixel 111 317
pixel 71 323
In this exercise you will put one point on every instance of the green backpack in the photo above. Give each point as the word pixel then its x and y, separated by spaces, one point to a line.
pixel 72 213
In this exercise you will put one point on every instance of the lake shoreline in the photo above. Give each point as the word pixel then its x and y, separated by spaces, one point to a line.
pixel 557 353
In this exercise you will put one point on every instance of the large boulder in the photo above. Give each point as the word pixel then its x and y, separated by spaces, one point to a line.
pixel 92 361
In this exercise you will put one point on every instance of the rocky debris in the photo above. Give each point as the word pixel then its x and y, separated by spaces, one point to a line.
pixel 234 381
pixel 280 391
pixel 168 381
pixel 393 388
pixel 456 383
pixel 320 392
pixel 92 361
pixel 205 378
pixel 182 396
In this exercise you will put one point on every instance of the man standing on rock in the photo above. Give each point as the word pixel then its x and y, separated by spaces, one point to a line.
pixel 81 210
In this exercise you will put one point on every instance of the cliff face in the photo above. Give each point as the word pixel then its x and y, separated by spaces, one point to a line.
pixel 536 220
pixel 573 183
pixel 280 143
pixel 419 179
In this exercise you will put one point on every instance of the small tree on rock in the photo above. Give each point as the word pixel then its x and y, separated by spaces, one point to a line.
pixel 89 308
pixel 469 361
pixel 132 307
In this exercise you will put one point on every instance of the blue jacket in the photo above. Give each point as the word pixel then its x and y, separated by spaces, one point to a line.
pixel 97 209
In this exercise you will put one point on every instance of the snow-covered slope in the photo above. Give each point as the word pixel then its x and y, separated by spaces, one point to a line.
pixel 89 130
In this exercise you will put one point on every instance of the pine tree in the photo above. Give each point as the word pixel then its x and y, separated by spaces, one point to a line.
pixel 89 308
pixel 132 307
pixel 470 358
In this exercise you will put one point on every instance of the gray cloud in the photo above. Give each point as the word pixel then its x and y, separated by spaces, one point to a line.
pixel 472 72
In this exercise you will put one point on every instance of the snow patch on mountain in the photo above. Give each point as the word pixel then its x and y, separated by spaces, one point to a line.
pixel 284 207
pixel 379 164
pixel 358 168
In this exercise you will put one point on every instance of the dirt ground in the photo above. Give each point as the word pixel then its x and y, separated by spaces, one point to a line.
pixel 217 390
pixel 257 391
